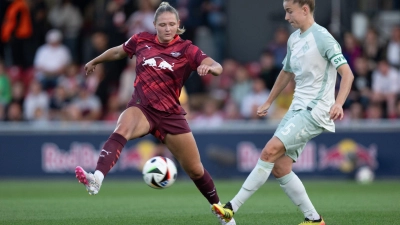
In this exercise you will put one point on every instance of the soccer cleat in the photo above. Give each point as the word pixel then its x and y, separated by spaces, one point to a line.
pixel 315 222
pixel 222 221
pixel 89 180
pixel 224 212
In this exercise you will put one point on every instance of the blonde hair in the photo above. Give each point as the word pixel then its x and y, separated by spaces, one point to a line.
pixel 310 3
pixel 166 7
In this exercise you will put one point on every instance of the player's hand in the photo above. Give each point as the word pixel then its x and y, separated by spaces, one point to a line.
pixel 336 112
pixel 204 69
pixel 263 109
pixel 89 68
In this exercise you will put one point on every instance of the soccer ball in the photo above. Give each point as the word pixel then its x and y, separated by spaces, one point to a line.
pixel 364 175
pixel 159 172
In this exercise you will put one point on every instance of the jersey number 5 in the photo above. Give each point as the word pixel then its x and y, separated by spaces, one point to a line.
pixel 287 129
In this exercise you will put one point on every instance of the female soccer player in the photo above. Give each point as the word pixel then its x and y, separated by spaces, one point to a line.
pixel 313 57
pixel 164 62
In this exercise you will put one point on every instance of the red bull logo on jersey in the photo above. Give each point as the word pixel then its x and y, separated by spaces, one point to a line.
pixel 158 63
pixel 347 156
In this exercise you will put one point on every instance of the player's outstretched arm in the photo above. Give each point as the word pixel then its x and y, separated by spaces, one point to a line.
pixel 336 111
pixel 281 82
pixel 112 54
pixel 208 65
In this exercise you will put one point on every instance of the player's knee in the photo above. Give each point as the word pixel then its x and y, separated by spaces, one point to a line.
pixel 271 152
pixel 280 171
pixel 194 172
pixel 123 131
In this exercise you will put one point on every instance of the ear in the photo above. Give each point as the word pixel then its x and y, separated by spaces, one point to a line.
pixel 306 9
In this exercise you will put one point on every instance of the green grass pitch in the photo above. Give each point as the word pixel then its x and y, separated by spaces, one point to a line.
pixel 58 202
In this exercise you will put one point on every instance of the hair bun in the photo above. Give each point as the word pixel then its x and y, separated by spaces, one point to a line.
pixel 164 4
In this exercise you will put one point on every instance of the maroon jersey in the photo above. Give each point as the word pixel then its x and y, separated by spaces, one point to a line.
pixel 162 69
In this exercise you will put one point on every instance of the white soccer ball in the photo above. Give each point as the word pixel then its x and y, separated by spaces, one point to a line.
pixel 159 172
pixel 365 175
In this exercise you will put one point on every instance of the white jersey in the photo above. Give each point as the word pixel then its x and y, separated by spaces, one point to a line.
pixel 314 56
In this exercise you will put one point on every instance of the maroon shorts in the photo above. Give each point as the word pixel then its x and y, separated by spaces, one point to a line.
pixel 162 123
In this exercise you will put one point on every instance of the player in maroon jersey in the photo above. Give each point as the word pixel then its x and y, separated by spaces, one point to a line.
pixel 164 63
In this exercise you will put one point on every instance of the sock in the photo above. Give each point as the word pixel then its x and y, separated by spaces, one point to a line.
pixel 295 190
pixel 206 186
pixel 254 181
pixel 110 153
pixel 99 175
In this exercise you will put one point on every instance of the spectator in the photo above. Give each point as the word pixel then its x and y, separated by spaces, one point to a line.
pixel 5 86
pixel 242 85
pixel 356 112
pixel 231 111
pixel 283 101
pixel 393 49
pixel 2 112
pixel 71 81
pixel 51 60
pixel 85 106
pixel 269 70
pixel 112 111
pixel 67 18
pixel 278 46
pixel 35 99
pixel 374 112
pixel 385 86
pixel 14 112
pixel 252 100
pixel 15 31
pixel 127 79
pixel 361 88
pixel 58 102
pixel 351 49
pixel 210 115
pixel 373 50
pixel 18 93
pixel 142 20
pixel 41 26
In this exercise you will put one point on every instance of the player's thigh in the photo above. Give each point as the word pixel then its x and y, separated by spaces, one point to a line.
pixel 297 131
pixel 282 166
pixel 184 149
pixel 132 123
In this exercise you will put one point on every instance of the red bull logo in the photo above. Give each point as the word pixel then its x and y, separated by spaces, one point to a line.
pixel 158 63
pixel 248 155
pixel 56 160
pixel 347 155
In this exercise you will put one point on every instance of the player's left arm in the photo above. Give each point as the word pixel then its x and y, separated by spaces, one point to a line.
pixel 336 111
pixel 209 65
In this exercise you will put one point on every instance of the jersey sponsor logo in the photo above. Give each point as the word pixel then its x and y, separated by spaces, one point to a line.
pixel 305 47
pixel 339 59
pixel 158 63
pixel 175 54
pixel 336 49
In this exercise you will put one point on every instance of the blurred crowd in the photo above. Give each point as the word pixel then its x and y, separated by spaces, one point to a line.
pixel 45 44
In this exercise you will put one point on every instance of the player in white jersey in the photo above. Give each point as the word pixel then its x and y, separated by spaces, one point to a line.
pixel 313 60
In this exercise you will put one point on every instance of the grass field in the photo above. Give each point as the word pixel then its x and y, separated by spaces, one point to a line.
pixel 122 202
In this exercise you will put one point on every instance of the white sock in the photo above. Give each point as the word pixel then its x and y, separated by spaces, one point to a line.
pixel 254 181
pixel 295 190
pixel 99 175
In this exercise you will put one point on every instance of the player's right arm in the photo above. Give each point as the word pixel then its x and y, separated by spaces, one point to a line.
pixel 112 54
pixel 281 82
